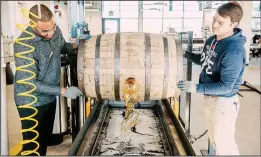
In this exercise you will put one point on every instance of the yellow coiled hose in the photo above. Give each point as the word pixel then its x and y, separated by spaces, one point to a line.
pixel 25 82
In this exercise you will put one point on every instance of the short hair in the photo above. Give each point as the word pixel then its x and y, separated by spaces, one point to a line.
pixel 46 14
pixel 232 10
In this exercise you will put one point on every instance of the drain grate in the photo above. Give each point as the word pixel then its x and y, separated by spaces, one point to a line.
pixel 146 138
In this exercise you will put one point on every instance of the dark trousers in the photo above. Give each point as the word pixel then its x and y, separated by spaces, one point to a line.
pixel 45 118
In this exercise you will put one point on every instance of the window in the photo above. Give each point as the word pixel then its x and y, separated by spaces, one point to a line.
pixel 173 6
pixel 191 6
pixel 158 16
pixel 175 23
pixel 110 12
pixel 152 9
pixel 152 14
pixel 256 24
pixel 256 5
pixel 256 14
pixel 152 25
pixel 110 3
pixel 193 14
pixel 256 18
pixel 191 9
pixel 129 25
pixel 216 4
pixel 120 9
pixel 152 2
pixel 129 9
pixel 111 26
pixel 129 12
pixel 193 25
pixel 129 3
pixel 124 11
pixel 172 14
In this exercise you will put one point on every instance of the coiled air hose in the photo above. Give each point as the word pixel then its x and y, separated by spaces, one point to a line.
pixel 25 82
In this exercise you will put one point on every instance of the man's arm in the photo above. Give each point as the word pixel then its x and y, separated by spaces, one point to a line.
pixel 68 48
pixel 195 58
pixel 230 69
pixel 41 87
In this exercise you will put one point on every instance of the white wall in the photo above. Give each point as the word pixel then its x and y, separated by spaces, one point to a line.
pixel 7 13
pixel 11 15
pixel 207 22
pixel 12 11
pixel 94 20
pixel 62 21
pixel 49 4
pixel 246 26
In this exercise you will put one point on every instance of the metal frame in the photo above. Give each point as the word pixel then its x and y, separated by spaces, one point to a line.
pixel 80 136
pixel 188 66
pixel 4 126
pixel 250 87
pixel 75 104
pixel 83 145
pixel 7 56
pixel 186 144
pixel 210 151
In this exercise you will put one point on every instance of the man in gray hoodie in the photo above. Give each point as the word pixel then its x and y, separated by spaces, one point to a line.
pixel 48 43
pixel 222 62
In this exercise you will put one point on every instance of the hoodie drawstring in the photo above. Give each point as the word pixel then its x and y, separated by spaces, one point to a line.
pixel 212 49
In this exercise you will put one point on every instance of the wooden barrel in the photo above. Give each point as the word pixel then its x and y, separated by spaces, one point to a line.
pixel 106 61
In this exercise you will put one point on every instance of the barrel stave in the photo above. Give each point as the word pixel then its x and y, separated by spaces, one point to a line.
pixel 155 67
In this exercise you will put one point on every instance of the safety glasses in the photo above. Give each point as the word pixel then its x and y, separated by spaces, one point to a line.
pixel 47 31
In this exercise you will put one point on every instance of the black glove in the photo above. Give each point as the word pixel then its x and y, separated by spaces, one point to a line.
pixel 187 54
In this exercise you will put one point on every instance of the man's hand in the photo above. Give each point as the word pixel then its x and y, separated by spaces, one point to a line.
pixel 187 86
pixel 71 92
pixel 63 91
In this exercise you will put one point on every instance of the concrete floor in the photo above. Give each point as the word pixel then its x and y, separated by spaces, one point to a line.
pixel 247 126
pixel 61 149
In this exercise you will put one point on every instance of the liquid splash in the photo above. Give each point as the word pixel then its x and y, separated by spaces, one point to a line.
pixel 131 116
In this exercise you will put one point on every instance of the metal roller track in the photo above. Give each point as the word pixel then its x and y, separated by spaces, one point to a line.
pixel 158 134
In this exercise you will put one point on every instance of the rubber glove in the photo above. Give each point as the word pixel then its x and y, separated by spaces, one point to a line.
pixel 73 92
pixel 187 86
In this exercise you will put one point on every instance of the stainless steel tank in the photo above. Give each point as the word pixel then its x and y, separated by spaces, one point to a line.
pixel 82 110
pixel 60 127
